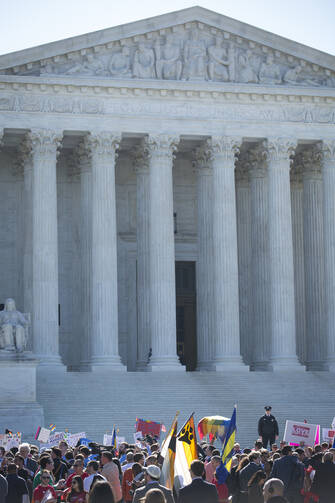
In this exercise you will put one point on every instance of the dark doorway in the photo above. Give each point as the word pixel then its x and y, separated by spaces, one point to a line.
pixel 186 314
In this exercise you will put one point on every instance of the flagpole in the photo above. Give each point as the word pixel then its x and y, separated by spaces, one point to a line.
pixel 185 423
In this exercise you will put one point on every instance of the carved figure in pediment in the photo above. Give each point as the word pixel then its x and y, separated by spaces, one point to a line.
pixel 91 65
pixel 220 60
pixel 48 69
pixel 269 72
pixel 168 60
pixel 247 72
pixel 119 64
pixel 144 63
pixel 293 76
pixel 194 58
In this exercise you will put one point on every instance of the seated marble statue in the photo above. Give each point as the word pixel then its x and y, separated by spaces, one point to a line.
pixel 269 72
pixel 119 65
pixel 13 328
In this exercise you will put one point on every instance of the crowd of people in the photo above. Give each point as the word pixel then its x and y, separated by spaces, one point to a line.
pixel 132 474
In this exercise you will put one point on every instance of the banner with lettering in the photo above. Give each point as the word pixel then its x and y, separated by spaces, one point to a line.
pixel 297 433
pixel 328 435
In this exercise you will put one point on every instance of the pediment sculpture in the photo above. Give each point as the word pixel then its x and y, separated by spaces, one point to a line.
pixel 13 328
pixel 187 54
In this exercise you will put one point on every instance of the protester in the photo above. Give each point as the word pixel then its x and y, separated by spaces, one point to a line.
pixel 199 490
pixel 29 463
pixel 93 471
pixel 46 463
pixel 247 472
pixel 152 476
pixel 154 496
pixel 255 487
pixel 111 473
pixel 291 472
pixel 3 489
pixel 77 493
pixel 273 491
pixel 101 493
pixel 324 479
pixel 60 469
pixel 43 488
pixel 17 487
pixel 78 466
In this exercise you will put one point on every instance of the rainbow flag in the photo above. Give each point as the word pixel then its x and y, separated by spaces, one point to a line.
pixel 52 427
pixel 214 426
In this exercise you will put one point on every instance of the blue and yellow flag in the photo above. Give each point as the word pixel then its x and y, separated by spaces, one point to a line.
pixel 223 470
pixel 114 438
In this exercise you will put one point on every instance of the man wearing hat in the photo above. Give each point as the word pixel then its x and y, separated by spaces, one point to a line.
pixel 152 475
pixel 268 427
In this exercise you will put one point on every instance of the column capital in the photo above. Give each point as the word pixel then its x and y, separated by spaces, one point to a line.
pixel 256 158
pixel 83 154
pixel 24 156
pixel 242 169
pixel 280 149
pixel 328 151
pixel 297 168
pixel 140 155
pixel 311 160
pixel 45 142
pixel 103 144
pixel 225 147
pixel 163 145
pixel 202 159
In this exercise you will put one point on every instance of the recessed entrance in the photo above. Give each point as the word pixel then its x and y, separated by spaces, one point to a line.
pixel 186 314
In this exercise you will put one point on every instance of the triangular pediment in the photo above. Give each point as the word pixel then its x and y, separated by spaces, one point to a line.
pixel 191 45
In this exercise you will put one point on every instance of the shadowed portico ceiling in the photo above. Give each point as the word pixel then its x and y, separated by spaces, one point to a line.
pixel 194 44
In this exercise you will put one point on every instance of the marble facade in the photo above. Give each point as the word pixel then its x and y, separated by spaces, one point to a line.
pixel 104 137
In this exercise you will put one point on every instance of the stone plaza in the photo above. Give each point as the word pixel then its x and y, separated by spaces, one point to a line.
pixel 167 199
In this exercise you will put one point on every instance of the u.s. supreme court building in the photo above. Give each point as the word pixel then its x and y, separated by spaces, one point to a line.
pixel 167 198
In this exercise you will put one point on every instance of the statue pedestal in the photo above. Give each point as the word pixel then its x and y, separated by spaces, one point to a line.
pixel 19 410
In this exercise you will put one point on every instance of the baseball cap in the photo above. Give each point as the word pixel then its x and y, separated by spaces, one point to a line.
pixel 153 471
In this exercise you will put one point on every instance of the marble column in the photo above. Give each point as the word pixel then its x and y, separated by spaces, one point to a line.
pixel 84 162
pixel 314 259
pixel 298 256
pixel 225 268
pixel 328 171
pixel 162 254
pixel 204 275
pixel 243 218
pixel 260 258
pixel 281 273
pixel 104 295
pixel 141 167
pixel 45 143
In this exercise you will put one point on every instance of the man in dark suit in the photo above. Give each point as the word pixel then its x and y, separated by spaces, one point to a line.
pixel 17 487
pixel 29 464
pixel 152 476
pixel 199 491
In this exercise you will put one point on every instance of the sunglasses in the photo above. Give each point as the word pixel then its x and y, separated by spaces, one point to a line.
pixel 45 478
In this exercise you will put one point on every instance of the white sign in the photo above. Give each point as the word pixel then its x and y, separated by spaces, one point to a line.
pixel 107 439
pixel 328 435
pixel 55 439
pixel 120 440
pixel 333 423
pixel 138 435
pixel 300 433
pixel 43 435
pixel 72 440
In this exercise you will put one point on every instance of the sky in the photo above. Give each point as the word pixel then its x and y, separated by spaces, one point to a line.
pixel 27 23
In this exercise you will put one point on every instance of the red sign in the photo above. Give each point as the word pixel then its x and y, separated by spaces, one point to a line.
pixel 300 431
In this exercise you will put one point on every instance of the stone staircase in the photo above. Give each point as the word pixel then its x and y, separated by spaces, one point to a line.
pixel 93 402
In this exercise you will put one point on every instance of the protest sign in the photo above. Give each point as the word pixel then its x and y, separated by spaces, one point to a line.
pixel 43 435
pixel 55 439
pixel 138 435
pixel 297 433
pixel 328 435
pixel 120 440
pixel 72 439
pixel 148 427
pixel 107 439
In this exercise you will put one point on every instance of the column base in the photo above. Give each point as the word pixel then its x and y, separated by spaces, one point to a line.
pixel 85 366
pixel 110 363
pixel 286 363
pixel 260 366
pixel 230 364
pixel 205 366
pixel 317 366
pixel 331 364
pixel 49 360
pixel 142 366
pixel 165 364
